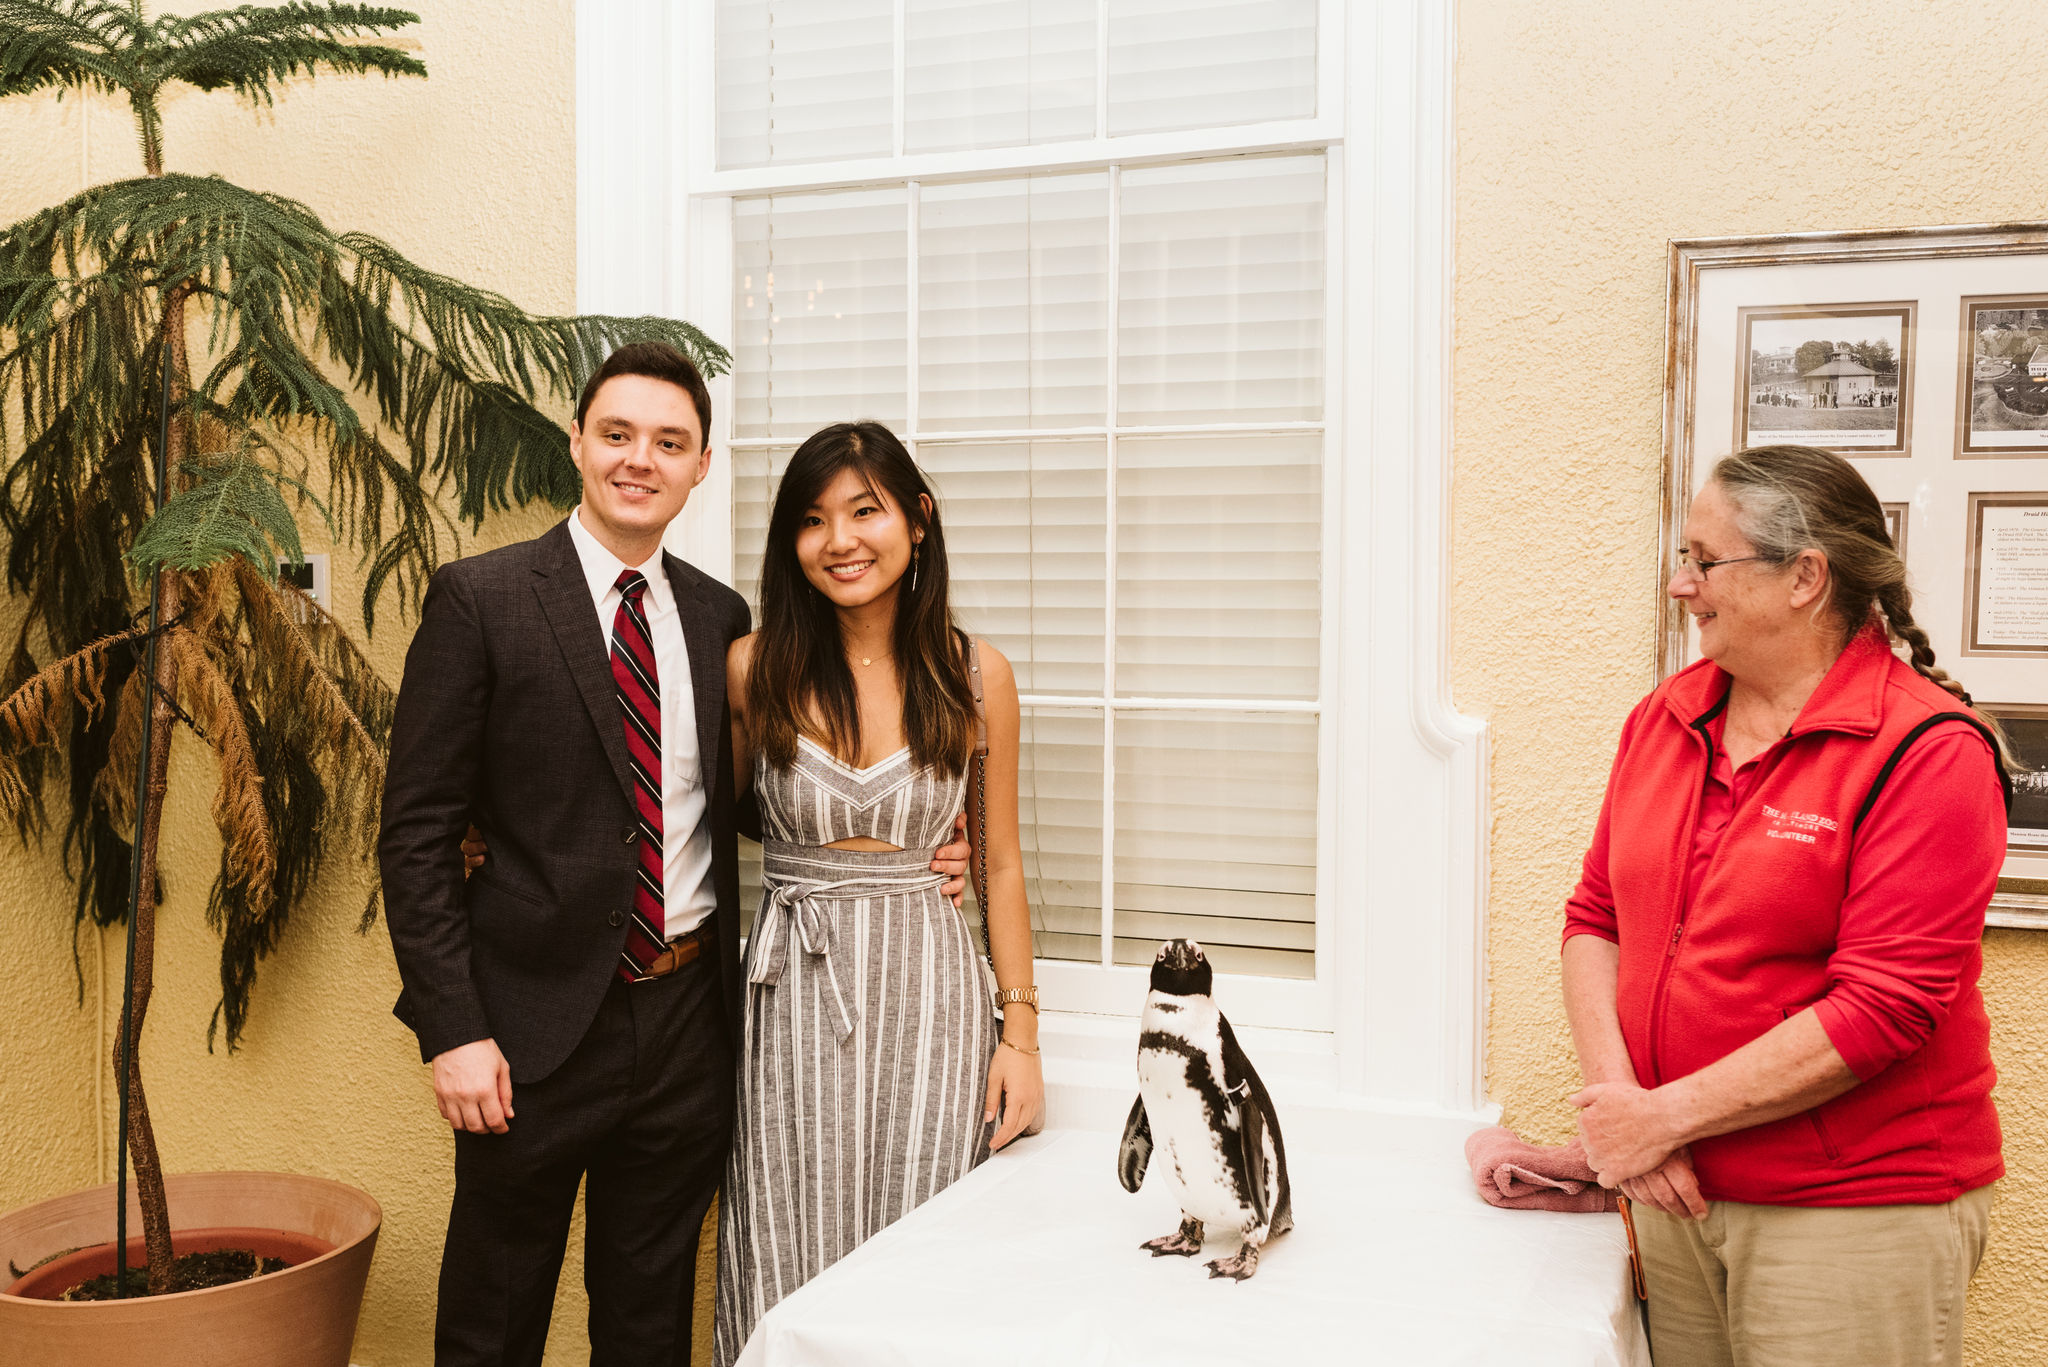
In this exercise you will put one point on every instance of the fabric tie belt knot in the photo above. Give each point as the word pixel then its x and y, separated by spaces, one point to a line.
pixel 806 885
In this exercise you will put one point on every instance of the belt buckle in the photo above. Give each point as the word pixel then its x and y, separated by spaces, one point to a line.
pixel 666 962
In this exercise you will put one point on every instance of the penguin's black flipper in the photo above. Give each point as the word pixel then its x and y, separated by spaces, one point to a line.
pixel 1136 1150
pixel 1256 1118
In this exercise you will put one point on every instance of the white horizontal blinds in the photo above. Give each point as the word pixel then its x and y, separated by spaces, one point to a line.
pixel 1221 292
pixel 805 80
pixel 1218 565
pixel 997 73
pixel 820 302
pixel 1059 825
pixel 1209 63
pixel 756 470
pixel 1013 303
pixel 1025 541
pixel 1216 838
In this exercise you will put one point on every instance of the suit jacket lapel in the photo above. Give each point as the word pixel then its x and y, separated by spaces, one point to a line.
pixel 707 666
pixel 565 597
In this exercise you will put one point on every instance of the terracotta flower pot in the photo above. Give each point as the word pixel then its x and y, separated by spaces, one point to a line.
pixel 304 1316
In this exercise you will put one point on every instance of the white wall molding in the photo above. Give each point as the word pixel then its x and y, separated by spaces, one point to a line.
pixel 1411 800
pixel 626 100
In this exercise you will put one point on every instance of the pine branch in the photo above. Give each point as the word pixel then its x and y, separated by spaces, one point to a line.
pixel 248 859
pixel 64 45
pixel 78 44
pixel 36 713
pixel 318 717
pixel 232 507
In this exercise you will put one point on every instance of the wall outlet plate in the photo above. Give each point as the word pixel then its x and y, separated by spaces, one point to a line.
pixel 309 577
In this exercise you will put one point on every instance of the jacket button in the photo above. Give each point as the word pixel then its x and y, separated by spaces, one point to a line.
pixel 618 918
pixel 630 834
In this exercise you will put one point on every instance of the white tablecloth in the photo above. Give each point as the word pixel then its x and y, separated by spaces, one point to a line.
pixel 1034 1259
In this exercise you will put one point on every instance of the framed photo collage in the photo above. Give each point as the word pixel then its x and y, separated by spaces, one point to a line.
pixel 1922 357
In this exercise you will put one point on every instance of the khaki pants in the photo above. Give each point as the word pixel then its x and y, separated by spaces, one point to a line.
pixel 1811 1286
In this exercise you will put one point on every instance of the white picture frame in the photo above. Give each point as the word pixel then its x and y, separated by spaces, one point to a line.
pixel 1958 295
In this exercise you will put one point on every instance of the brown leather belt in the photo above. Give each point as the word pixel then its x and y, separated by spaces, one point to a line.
pixel 682 950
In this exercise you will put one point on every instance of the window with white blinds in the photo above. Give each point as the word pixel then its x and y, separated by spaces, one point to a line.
pixel 805 81
pixel 1114 378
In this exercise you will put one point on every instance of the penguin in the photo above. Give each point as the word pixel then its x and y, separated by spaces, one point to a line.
pixel 1212 1115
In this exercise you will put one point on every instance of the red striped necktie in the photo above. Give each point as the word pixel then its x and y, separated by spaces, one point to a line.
pixel 640 700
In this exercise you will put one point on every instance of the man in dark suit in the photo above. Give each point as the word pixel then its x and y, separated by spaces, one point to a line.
pixel 567 694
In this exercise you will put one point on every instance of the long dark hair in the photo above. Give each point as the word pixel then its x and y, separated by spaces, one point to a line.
pixel 799 682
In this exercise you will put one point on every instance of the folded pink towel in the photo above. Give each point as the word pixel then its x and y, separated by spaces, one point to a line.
pixel 1516 1175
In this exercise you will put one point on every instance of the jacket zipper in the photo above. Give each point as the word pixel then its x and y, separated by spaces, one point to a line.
pixel 1735 809
pixel 1684 867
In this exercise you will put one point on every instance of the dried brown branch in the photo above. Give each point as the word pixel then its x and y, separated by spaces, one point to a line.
pixel 38 712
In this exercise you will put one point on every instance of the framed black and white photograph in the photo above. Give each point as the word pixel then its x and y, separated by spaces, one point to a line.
pixel 1834 377
pixel 2002 377
pixel 1854 342
pixel 2026 734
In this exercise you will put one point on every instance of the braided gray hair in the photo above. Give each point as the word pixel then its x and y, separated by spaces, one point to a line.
pixel 1790 499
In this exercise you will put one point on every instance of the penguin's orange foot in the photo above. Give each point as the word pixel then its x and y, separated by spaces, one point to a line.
pixel 1184 1242
pixel 1239 1267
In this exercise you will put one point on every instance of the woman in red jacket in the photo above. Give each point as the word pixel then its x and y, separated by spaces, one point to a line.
pixel 1771 960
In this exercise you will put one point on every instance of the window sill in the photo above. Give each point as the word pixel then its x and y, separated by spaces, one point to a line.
pixel 1091 1080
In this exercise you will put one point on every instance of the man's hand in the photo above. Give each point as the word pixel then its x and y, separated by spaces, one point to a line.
pixel 1670 1187
pixel 951 860
pixel 1627 1130
pixel 473 851
pixel 473 1087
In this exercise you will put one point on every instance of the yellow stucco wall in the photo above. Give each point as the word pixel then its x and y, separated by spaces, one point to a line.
pixel 1589 133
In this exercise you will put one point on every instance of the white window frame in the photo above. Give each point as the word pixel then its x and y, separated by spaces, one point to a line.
pixel 1395 1014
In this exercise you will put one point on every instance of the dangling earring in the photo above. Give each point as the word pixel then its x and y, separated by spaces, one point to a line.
pixel 913 569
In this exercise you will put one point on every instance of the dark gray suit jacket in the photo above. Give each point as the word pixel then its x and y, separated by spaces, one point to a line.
pixel 508 717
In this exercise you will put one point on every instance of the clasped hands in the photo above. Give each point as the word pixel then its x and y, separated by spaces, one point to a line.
pixel 1635 1141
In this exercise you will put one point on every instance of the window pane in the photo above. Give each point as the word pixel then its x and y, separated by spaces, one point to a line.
pixel 1210 63
pixel 1216 838
pixel 1221 292
pixel 997 73
pixel 1026 543
pixel 1218 562
pixel 805 80
pixel 819 304
pixel 1059 827
pixel 1013 303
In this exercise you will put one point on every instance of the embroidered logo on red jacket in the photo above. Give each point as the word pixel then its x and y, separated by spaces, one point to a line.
pixel 1805 827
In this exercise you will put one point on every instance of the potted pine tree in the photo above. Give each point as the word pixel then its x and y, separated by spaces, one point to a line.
pixel 189 368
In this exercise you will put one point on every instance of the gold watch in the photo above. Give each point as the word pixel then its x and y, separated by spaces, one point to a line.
pixel 1027 996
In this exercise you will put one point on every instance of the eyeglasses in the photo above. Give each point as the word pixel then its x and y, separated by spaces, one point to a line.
pixel 1688 565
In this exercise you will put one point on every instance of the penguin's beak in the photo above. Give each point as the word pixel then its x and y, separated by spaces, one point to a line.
pixel 1180 955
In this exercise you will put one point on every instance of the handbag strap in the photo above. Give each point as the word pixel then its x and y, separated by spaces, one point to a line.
pixel 980 766
pixel 980 708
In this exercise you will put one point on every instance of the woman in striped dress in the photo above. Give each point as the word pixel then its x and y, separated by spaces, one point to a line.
pixel 871 1075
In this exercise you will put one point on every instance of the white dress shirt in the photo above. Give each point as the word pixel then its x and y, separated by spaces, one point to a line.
pixel 688 897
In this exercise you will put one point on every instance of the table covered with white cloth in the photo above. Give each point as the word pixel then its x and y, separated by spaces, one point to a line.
pixel 1033 1259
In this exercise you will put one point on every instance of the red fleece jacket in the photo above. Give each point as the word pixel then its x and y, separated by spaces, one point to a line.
pixel 1852 877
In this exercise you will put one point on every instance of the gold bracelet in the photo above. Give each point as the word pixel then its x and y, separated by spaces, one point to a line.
pixel 1019 1048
